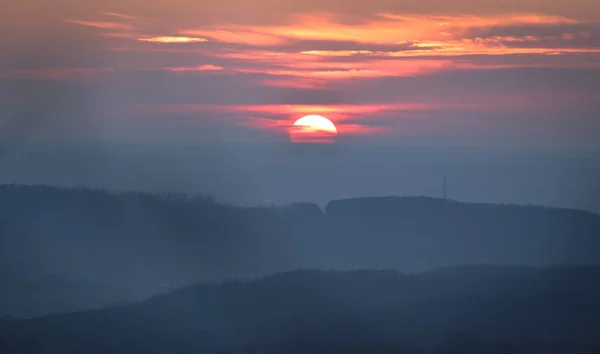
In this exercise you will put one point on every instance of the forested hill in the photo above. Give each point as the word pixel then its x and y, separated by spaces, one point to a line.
pixel 474 309
pixel 425 232
pixel 132 245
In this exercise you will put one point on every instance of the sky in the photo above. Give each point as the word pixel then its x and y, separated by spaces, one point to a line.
pixel 508 73
pixel 199 96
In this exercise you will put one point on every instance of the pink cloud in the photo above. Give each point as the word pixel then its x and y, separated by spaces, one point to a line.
pixel 206 67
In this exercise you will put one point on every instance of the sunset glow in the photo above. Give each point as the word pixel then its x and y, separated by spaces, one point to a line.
pixel 375 68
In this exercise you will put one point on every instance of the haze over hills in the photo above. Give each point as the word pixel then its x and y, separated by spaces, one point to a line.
pixel 133 245
pixel 474 309
pixel 250 173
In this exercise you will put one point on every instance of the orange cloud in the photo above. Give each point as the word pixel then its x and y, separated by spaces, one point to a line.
pixel 337 112
pixel 317 74
pixel 172 39
pixel 119 15
pixel 363 119
pixel 262 56
pixel 338 53
pixel 465 21
pixel 301 83
pixel 119 26
pixel 125 35
pixel 373 45
pixel 368 68
pixel 207 67
pixel 307 70
pixel 359 70
pixel 451 50
pixel 236 35
pixel 388 28
pixel 279 116
pixel 103 25
pixel 314 51
pixel 421 41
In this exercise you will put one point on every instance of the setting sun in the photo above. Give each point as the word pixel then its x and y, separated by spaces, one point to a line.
pixel 313 129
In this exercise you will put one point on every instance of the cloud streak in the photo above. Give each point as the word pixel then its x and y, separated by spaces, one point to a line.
pixel 350 119
pixel 173 39
pixel 103 25
pixel 206 67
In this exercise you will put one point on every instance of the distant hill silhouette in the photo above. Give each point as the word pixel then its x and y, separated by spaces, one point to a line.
pixel 422 233
pixel 133 245
pixel 470 309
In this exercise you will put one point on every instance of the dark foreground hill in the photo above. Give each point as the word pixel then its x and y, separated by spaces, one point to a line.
pixel 72 242
pixel 476 309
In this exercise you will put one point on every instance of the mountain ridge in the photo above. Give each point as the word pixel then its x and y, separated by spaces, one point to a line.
pixel 137 244
pixel 523 306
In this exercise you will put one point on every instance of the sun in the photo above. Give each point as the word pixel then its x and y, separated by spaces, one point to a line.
pixel 313 129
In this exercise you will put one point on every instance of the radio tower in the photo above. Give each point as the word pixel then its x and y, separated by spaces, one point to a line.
pixel 444 188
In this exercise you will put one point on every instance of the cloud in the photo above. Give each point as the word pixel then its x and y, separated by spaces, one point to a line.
pixel 300 83
pixel 313 48
pixel 386 28
pixel 121 16
pixel 206 67
pixel 352 70
pixel 231 34
pixel 285 114
pixel 280 118
pixel 421 116
pixel 518 30
pixel 103 24
pixel 173 39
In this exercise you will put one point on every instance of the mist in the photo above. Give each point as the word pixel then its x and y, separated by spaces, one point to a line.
pixel 280 173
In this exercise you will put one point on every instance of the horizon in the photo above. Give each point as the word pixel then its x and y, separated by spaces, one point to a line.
pixel 268 204
pixel 248 173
